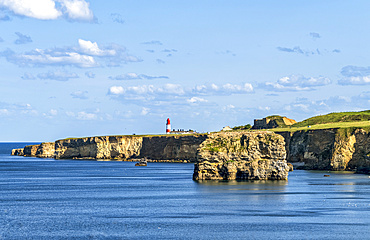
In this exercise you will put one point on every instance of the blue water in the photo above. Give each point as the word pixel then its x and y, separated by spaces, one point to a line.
pixel 66 199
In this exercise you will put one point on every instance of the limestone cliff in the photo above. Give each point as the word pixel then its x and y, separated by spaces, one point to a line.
pixel 43 150
pixel 107 147
pixel 329 149
pixel 30 150
pixel 46 150
pixel 173 147
pixel 242 155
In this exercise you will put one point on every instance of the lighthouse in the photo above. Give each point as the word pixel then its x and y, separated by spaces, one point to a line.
pixel 168 126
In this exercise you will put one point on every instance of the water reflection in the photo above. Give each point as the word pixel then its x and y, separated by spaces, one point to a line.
pixel 241 182
pixel 261 190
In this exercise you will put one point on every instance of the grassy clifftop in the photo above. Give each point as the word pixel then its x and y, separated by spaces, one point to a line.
pixel 332 120
pixel 342 117
pixel 341 120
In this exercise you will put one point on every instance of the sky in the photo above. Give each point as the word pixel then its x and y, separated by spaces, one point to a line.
pixel 76 68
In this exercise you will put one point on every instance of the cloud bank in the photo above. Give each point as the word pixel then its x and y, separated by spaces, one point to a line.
pixel 175 92
pixel 134 76
pixel 353 75
pixel 296 83
pixel 57 76
pixel 86 55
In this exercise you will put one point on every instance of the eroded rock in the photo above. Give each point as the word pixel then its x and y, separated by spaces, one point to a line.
pixel 242 155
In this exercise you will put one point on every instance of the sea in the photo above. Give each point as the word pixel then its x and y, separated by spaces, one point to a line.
pixel 74 199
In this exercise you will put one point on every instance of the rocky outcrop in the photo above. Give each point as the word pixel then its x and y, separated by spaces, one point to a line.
pixel 328 149
pixel 242 155
pixel 43 150
pixel 174 147
pixel 17 152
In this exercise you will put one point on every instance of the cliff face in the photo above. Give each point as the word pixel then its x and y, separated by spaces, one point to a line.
pixel 98 148
pixel 30 150
pixel 248 155
pixel 46 150
pixel 126 147
pixel 172 147
pixel 43 150
pixel 329 149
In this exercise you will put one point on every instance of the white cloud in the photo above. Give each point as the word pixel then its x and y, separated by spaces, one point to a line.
pixel 233 88
pixel 57 75
pixel 84 56
pixel 40 9
pixel 363 80
pixel 171 88
pixel 144 111
pixel 296 83
pixel 196 100
pixel 116 90
pixel 77 10
pixel 52 113
pixel 228 107
pixel 92 49
pixel 174 93
pixel 48 9
pixel 86 116
pixel 39 57
pixel 135 76
pixel 353 75
pixel 226 89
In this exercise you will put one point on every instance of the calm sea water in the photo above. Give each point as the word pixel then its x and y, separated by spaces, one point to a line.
pixel 66 199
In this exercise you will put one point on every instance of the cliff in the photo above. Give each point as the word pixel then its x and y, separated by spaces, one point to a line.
pixel 325 149
pixel 329 149
pixel 43 150
pixel 172 147
pixel 18 152
pixel 46 150
pixel 242 155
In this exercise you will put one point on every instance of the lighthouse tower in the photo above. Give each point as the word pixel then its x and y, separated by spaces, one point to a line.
pixel 168 126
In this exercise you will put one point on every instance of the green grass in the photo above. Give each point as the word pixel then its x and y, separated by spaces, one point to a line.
pixel 335 118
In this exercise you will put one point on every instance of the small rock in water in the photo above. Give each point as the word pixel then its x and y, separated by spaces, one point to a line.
pixel 142 163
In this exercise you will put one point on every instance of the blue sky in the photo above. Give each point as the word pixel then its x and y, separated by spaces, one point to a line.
pixel 74 68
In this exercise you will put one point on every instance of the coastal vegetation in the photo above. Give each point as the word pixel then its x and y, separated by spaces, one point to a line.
pixel 342 120
pixel 341 117
pixel 243 127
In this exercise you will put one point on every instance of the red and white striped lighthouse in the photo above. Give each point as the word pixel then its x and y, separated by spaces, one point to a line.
pixel 168 126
